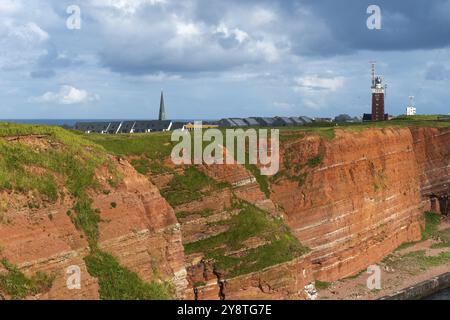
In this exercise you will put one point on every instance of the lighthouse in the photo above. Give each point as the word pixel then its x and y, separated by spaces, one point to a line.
pixel 378 95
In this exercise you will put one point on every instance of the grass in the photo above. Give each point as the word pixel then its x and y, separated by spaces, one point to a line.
pixel 154 146
pixel 203 213
pixel 322 285
pixel 286 136
pixel 25 168
pixel 70 160
pixel 199 284
pixel 314 162
pixel 283 249
pixel 251 222
pixel 416 261
pixel 429 230
pixel 396 123
pixel 86 219
pixel 260 179
pixel 432 221
pixel 444 238
pixel 324 130
pixel 146 166
pixel 141 165
pixel 189 186
pixel 18 286
pixel 418 117
pixel 118 283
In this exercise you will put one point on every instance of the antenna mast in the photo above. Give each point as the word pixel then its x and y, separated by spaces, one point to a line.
pixel 373 72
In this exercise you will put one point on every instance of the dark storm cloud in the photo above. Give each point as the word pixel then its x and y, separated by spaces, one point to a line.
pixel 437 72
pixel 406 25
pixel 52 60
pixel 307 28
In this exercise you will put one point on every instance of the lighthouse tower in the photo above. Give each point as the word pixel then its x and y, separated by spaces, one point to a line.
pixel 378 92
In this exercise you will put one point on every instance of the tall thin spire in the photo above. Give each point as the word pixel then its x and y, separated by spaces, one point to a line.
pixel 162 110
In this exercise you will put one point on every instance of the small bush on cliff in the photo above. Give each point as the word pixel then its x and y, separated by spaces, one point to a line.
pixel 314 162
pixel 118 283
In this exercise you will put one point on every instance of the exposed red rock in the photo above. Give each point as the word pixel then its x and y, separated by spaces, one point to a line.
pixel 352 200
pixel 364 199
pixel 141 231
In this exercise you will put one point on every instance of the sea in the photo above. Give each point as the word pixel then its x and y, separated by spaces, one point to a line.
pixel 71 122
pixel 440 295
pixel 53 122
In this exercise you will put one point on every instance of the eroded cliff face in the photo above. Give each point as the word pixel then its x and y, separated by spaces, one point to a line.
pixel 137 227
pixel 211 216
pixel 355 198
pixel 142 230
pixel 350 200
pixel 432 151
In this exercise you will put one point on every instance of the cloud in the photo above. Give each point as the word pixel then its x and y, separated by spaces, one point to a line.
pixel 245 54
pixel 127 6
pixel 29 32
pixel 283 106
pixel 51 60
pixel 262 16
pixel 20 43
pixel 66 95
pixel 437 72
pixel 317 83
pixel 8 7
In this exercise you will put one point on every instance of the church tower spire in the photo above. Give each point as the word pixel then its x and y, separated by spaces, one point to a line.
pixel 162 110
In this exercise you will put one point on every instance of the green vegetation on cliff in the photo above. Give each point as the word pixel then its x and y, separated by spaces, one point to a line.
pixel 276 243
pixel 32 157
pixel 416 261
pixel 18 286
pixel 154 146
pixel 189 186
pixel 118 283
pixel 432 221
pixel 44 160
pixel 260 179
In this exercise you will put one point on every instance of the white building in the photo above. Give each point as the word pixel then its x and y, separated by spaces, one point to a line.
pixel 411 111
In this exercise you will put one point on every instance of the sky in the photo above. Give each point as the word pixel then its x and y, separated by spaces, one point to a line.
pixel 109 59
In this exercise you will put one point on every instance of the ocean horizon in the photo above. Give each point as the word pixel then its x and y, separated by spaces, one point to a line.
pixel 71 122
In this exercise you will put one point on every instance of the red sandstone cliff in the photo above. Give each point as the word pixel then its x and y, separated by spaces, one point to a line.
pixel 141 231
pixel 351 200
pixel 364 198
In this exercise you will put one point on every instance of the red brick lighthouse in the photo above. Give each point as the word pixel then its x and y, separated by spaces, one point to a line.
pixel 378 92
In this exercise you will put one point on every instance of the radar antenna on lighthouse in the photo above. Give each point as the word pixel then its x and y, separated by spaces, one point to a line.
pixel 378 96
